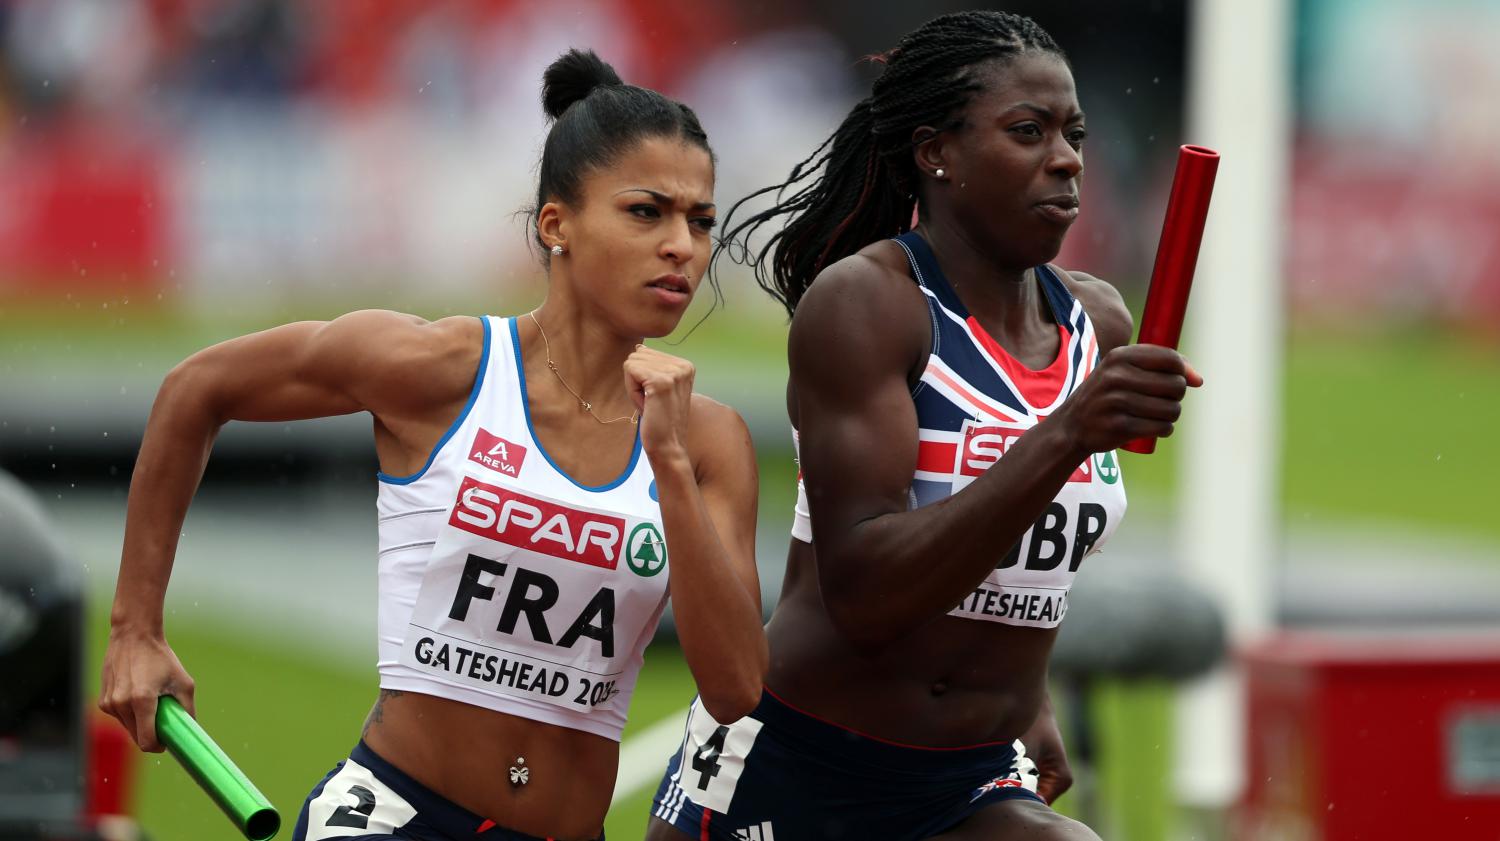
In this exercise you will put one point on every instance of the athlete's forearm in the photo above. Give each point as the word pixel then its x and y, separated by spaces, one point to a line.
pixel 718 619
pixel 1044 744
pixel 897 571
pixel 179 435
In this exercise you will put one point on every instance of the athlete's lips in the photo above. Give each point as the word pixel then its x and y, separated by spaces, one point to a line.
pixel 671 290
pixel 673 283
pixel 1065 201
pixel 1061 208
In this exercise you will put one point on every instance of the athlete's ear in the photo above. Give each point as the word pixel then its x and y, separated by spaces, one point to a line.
pixel 929 151
pixel 553 224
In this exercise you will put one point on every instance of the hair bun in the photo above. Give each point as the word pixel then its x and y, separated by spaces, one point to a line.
pixel 572 77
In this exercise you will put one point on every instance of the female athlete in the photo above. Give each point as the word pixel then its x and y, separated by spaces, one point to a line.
pixel 956 400
pixel 526 546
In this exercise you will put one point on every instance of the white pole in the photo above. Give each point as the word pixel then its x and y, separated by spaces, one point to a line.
pixel 1239 80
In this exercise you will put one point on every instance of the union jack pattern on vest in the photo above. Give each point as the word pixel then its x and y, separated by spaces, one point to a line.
pixel 974 401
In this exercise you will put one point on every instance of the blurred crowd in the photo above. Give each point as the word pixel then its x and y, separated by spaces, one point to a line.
pixel 309 147
pixel 223 150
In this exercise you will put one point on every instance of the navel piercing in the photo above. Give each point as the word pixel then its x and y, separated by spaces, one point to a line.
pixel 519 774
pixel 557 250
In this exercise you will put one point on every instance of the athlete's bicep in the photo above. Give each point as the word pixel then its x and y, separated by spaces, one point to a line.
pixel 264 376
pixel 851 353
pixel 729 483
pixel 308 369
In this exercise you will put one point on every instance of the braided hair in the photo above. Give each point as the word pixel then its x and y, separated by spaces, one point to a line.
pixel 858 185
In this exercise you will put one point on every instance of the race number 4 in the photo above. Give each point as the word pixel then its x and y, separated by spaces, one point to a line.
pixel 713 757
pixel 706 758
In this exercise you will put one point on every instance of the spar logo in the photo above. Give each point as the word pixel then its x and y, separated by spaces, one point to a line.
pixel 1107 467
pixel 984 445
pixel 526 522
pixel 646 550
pixel 496 453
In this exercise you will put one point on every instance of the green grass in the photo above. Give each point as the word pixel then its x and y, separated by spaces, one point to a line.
pixel 1395 429
pixel 283 716
pixel 287 717
pixel 1392 428
pixel 1133 725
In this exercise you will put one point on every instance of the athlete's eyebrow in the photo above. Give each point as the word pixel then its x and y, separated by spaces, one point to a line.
pixel 666 199
pixel 1043 111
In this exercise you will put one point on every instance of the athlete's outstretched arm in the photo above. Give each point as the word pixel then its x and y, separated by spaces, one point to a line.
pixel 704 464
pixel 383 362
pixel 857 339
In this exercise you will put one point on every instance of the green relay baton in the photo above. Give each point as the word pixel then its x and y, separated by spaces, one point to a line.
pixel 215 772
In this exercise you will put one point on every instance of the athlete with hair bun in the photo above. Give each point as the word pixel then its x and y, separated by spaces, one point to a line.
pixel 543 478
pixel 956 400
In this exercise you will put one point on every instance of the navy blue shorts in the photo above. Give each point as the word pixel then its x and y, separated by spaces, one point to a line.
pixel 780 774
pixel 365 798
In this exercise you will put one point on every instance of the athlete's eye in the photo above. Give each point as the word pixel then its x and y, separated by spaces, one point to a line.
pixel 645 211
pixel 1076 137
pixel 705 223
pixel 1027 130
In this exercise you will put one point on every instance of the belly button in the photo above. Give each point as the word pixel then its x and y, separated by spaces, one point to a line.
pixel 939 687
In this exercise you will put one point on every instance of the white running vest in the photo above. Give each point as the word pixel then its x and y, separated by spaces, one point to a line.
pixel 507 585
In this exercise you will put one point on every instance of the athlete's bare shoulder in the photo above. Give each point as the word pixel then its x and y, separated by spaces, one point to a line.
pixel 711 423
pixel 865 300
pixel 712 417
pixel 716 431
pixel 877 273
pixel 406 359
pixel 1101 300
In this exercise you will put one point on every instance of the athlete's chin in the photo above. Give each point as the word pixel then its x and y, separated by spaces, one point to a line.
pixel 658 323
pixel 1046 247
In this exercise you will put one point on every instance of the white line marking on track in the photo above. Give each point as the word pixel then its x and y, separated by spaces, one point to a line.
pixel 643 757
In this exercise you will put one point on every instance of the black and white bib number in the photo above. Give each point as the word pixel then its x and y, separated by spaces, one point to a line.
pixel 713 757
pixel 353 802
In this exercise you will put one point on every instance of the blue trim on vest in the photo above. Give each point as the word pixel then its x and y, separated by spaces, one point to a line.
pixel 930 275
pixel 484 361
pixel 635 454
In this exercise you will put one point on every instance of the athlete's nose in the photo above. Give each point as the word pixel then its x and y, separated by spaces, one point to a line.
pixel 677 241
pixel 1063 160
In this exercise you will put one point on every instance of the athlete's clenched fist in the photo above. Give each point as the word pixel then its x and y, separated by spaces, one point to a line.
pixel 1136 392
pixel 662 387
pixel 139 668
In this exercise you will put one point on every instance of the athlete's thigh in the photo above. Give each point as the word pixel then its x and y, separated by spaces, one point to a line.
pixel 660 830
pixel 1017 820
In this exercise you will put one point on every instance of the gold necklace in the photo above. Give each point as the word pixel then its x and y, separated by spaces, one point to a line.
pixel 582 404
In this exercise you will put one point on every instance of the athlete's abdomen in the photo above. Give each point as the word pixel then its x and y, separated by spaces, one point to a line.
pixel 951 682
pixel 466 754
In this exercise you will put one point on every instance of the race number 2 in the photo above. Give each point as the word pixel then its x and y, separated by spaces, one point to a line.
pixel 358 815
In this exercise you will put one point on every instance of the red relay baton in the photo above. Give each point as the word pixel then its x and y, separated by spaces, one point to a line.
pixel 1177 256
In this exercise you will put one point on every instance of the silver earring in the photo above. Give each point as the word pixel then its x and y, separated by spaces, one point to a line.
pixel 557 250
pixel 941 173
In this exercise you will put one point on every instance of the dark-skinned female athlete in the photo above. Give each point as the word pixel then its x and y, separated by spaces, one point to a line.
pixel 956 400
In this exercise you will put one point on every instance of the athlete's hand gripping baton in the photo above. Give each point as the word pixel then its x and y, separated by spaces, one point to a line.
pixel 215 772
pixel 1177 255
